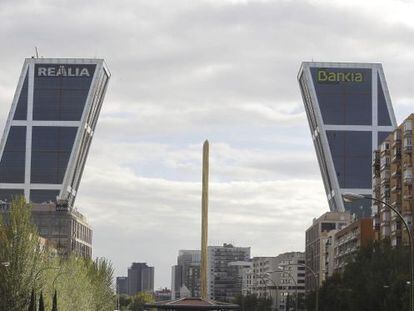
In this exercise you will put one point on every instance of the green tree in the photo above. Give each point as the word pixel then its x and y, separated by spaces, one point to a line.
pixel 139 300
pixel 375 279
pixel 124 301
pixel 101 275
pixel 20 247
pixel 68 283
pixel 251 302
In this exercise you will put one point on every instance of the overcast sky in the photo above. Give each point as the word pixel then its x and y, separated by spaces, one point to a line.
pixel 184 71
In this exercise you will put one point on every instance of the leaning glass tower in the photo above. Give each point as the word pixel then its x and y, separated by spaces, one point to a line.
pixel 50 128
pixel 349 113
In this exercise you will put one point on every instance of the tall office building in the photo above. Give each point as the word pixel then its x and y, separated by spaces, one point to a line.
pixel 50 128
pixel 393 183
pixel 185 280
pixel 349 113
pixel 140 278
pixel 224 280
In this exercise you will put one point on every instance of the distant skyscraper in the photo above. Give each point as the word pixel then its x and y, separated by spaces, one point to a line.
pixel 140 278
pixel 50 128
pixel 350 113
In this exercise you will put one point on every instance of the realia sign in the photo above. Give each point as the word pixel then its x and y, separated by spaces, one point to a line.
pixel 62 71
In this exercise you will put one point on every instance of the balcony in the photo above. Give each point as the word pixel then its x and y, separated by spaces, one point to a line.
pixel 396 202
pixel 396 174
pixel 408 196
pixel 408 148
pixel 408 177
pixel 408 128
pixel 385 195
pixel 396 156
pixel 396 188
pixel 397 138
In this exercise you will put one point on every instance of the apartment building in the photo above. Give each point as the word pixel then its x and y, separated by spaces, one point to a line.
pixel 224 279
pixel 349 240
pixel 315 244
pixel 393 183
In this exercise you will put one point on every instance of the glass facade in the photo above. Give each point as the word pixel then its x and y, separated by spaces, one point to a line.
pixel 383 113
pixel 9 194
pixel 61 96
pixel 12 164
pixel 41 196
pixel 66 96
pixel 21 108
pixel 352 155
pixel 343 99
pixel 51 149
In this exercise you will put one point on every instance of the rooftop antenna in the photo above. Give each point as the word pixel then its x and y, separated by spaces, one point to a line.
pixel 37 52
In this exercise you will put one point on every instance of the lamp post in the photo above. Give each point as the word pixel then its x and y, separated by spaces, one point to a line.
pixel 315 276
pixel 349 197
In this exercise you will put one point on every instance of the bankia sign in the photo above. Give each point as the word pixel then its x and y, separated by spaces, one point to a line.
pixel 327 75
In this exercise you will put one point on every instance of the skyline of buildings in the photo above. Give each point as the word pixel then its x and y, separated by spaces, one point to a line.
pixel 349 112
pixel 53 117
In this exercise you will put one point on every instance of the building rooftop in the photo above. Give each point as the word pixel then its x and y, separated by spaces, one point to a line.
pixel 193 303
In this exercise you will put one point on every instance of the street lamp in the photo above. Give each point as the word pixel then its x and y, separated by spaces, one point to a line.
pixel 315 276
pixel 349 197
